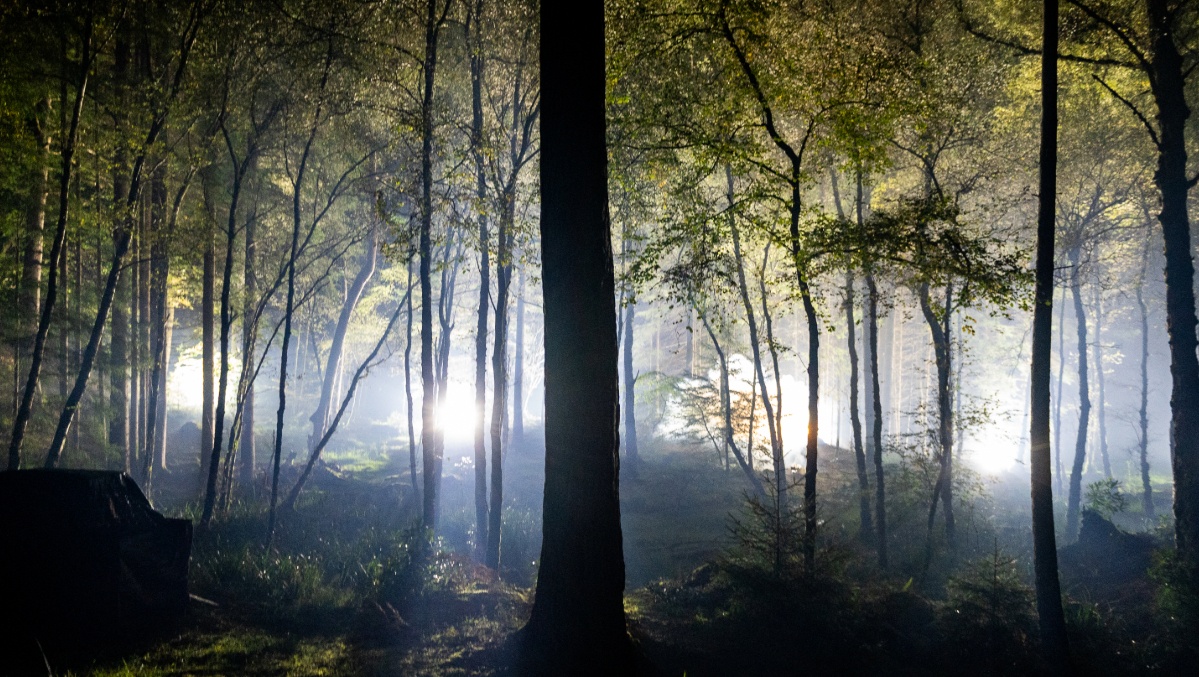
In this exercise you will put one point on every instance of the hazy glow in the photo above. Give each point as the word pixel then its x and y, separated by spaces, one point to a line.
pixel 185 383
pixel 456 416
pixel 992 460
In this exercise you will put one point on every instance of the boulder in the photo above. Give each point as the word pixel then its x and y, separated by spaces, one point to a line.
pixel 86 561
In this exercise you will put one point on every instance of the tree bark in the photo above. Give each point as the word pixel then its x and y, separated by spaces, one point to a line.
pixel 1143 417
pixel 518 375
pixel 577 623
pixel 248 451
pixel 1074 498
pixel 630 389
pixel 776 446
pixel 408 386
pixel 320 417
pixel 499 370
pixel 943 355
pixel 1048 589
pixel 297 185
pixel 1057 403
pixel 474 30
pixel 327 431
pixel 744 461
pixel 880 491
pixel 431 451
pixel 121 245
pixel 214 460
pixel 35 223
pixel 208 347
pixel 859 454
pixel 1099 382
pixel 1169 87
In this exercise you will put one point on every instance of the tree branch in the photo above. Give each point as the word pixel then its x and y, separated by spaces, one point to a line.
pixel 1135 111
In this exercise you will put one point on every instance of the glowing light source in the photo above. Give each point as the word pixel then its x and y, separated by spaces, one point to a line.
pixel 457 416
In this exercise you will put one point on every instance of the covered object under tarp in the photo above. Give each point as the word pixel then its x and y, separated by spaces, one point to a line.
pixel 85 559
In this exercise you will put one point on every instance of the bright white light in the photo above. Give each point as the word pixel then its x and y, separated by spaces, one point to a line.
pixel 185 382
pixel 456 417
pixel 993 459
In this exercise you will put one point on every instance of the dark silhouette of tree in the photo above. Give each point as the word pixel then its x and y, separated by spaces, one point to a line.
pixel 577 624
pixel 1049 596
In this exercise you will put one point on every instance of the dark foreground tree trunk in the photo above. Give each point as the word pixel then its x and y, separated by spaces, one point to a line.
pixel 1048 588
pixel 577 624
pixel 474 35
pixel 429 437
pixel 1169 91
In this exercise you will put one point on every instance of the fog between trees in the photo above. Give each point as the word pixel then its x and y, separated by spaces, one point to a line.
pixel 247 249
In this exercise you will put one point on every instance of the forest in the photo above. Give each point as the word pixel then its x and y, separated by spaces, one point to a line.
pixel 615 337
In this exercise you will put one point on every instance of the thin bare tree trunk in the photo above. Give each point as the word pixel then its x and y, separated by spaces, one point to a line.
pixel 880 496
pixel 1143 418
pixel 518 376
pixel 474 36
pixel 1074 498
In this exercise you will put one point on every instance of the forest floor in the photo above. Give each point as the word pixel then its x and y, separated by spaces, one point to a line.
pixel 346 590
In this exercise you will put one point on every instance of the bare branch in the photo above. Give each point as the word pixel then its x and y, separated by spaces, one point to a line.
pixel 1135 111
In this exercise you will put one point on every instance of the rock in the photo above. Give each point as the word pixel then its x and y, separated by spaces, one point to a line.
pixel 1106 564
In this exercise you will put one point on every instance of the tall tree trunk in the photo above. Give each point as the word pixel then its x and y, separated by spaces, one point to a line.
pixel 35 224
pixel 942 350
pixel 1102 412
pixel 1048 589
pixel 408 386
pixel 118 344
pixel 1057 403
pixel 333 367
pixel 67 154
pixel 327 432
pixel 1143 417
pixel 208 349
pixel 218 434
pixel 248 449
pixel 630 389
pixel 297 185
pixel 499 370
pixel 474 30
pixel 772 347
pixel 726 407
pixel 160 425
pixel 880 491
pixel 431 450
pixel 131 283
pixel 118 356
pixel 577 624
pixel 688 346
pixel 776 447
pixel 518 375
pixel 1074 498
pixel 151 320
pixel 1169 91
pixel 859 454
pixel 157 124
pixel 161 318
